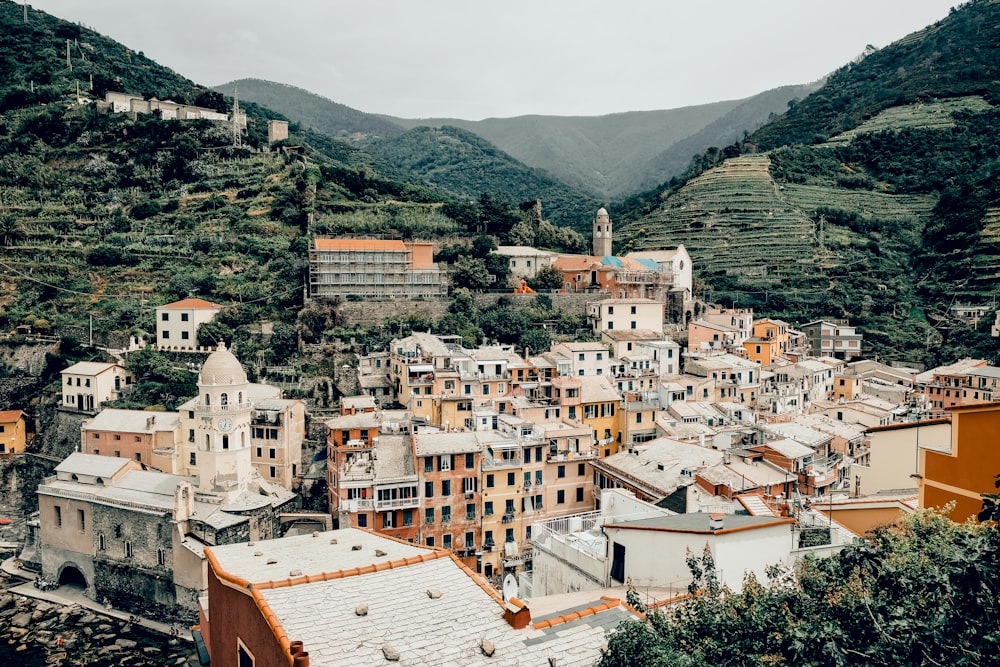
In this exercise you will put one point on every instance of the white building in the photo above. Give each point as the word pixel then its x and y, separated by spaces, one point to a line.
pixel 177 323
pixel 88 384
pixel 629 314
pixel 525 261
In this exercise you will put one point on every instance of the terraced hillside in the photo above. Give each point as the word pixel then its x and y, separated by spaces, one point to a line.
pixel 931 115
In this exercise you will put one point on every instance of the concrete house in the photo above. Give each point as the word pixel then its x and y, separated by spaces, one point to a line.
pixel 177 323
pixel 88 384
pixel 13 432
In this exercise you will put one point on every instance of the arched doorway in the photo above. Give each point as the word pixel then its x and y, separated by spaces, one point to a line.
pixel 70 575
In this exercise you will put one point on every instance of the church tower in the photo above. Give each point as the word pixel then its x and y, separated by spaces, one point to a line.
pixel 602 233
pixel 222 416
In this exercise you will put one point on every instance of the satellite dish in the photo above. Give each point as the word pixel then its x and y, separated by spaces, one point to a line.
pixel 509 587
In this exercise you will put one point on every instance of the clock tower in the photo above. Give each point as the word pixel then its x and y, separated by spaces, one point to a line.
pixel 222 414
pixel 602 233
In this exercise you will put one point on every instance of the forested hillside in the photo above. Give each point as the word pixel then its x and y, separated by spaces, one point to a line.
pixel 876 199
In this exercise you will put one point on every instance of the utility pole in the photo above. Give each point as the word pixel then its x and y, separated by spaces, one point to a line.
pixel 69 61
pixel 25 12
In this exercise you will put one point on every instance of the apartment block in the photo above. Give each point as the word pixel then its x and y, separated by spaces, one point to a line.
pixel 374 268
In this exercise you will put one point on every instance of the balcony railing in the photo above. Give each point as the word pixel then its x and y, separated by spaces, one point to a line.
pixel 397 504
pixel 216 410
pixel 491 463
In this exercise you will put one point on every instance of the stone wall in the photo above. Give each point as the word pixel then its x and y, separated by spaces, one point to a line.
pixel 368 312
pixel 353 313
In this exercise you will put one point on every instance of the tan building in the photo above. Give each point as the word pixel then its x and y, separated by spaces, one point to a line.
pixel 88 384
pixel 374 268
pixel 13 432
pixel 147 437
pixel 177 323
pixel 525 261
pixel 893 455
pixel 277 130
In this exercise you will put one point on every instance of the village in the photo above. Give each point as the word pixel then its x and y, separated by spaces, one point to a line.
pixel 488 502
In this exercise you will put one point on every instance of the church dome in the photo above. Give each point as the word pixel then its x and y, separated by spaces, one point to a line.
pixel 602 211
pixel 222 367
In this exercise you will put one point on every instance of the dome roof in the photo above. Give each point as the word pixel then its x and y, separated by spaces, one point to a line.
pixel 222 367
pixel 602 211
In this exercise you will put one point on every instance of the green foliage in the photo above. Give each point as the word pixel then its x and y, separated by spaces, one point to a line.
pixel 505 324
pixel 547 278
pixel 470 273
pixel 157 380
pixel 922 593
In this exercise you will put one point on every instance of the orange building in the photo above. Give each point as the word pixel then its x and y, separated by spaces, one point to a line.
pixel 13 436
pixel 967 471
pixel 621 277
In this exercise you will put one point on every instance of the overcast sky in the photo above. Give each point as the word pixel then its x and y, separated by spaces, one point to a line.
pixel 478 58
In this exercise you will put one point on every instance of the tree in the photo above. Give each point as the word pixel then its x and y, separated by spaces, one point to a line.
pixel 923 592
pixel 504 325
pixel 535 340
pixel 548 278
pixel 470 273
pixel 483 245
pixel 210 334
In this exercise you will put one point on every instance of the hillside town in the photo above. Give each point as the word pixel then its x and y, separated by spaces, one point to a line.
pixel 534 499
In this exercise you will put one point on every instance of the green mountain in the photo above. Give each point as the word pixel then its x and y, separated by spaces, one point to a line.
pixel 619 154
pixel 607 156
pixel 316 112
pixel 458 162
pixel 874 199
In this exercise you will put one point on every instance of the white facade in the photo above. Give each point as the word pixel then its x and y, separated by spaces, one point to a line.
pixel 86 385
pixel 177 323
pixel 626 314
pixel 525 261
pixel 676 262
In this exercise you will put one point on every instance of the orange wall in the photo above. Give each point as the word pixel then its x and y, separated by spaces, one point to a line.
pixel 860 521
pixel 423 255
pixel 969 470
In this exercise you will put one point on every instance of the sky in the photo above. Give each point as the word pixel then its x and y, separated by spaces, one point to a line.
pixel 474 59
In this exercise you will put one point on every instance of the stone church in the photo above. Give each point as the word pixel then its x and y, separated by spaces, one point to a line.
pixel 136 538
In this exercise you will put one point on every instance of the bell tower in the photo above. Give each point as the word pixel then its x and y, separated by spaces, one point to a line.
pixel 222 416
pixel 602 233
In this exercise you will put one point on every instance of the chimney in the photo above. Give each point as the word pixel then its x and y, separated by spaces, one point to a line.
pixel 150 421
pixel 516 614
pixel 716 522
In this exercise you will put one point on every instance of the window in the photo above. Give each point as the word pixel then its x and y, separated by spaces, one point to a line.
pixel 118 436
pixel 428 464
pixel 273 472
pixel 560 497
pixel 193 459
pixel 446 514
pixel 611 310
pixel 446 541
pixel 165 334
pixel 600 356
pixel 444 463
pixel 511 479
pixel 470 461
pixel 244 656
pixel 470 511
pixel 489 481
pixel 488 508
pixel 161 557
pixel 271 454
pixel 561 471
pixel 509 535
pixel 184 335
pixel 128 549
pixel 429 515
pixel 138 457
pixel 446 487
pixel 101 544
pixel 58 515
pixel 580 356
pixel 581 469
pixel 428 489
pixel 579 494
pixel 190 435
pixel 430 541
pixel 470 540
pixel 165 317
pixel 362 521
pixel 631 325
pixel 82 520
pixel 387 520
pixel 260 452
pixel 469 484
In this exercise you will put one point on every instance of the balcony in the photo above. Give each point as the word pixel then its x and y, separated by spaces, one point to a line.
pixel 397 504
pixel 202 410
pixel 512 461
pixel 515 554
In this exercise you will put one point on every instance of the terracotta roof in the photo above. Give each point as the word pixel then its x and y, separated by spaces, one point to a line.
pixel 191 303
pixel 7 416
pixel 359 244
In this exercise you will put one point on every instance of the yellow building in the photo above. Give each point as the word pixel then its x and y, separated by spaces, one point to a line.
pixel 599 409
pixel 13 432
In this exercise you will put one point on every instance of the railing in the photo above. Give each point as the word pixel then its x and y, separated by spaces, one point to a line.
pixel 491 463
pixel 397 503
pixel 360 503
pixel 216 410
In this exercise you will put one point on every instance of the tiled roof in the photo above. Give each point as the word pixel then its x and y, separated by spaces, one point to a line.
pixel 89 368
pixel 359 244
pixel 133 421
pixel 7 416
pixel 192 303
